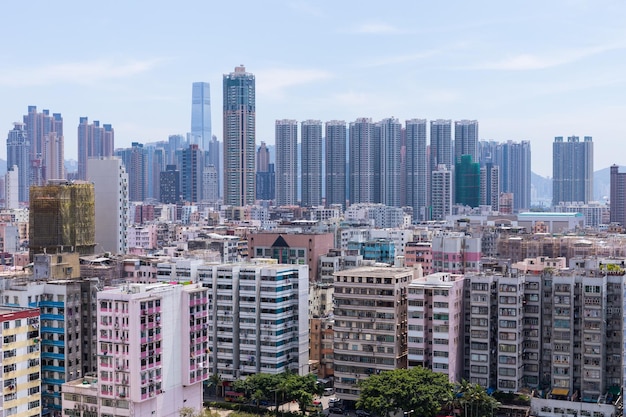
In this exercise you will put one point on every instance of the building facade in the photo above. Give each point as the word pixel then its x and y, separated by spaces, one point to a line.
pixel 311 131
pixel 286 162
pixel 370 324
pixel 572 169
pixel 21 367
pixel 239 137
pixel 201 133
pixel 110 181
pixel 335 170
pixel 258 318
pixel 153 348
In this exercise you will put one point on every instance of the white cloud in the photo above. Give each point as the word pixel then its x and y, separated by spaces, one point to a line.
pixel 74 72
pixel 274 81
pixel 525 62
pixel 400 59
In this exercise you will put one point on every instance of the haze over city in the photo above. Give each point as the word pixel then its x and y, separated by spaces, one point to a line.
pixel 524 70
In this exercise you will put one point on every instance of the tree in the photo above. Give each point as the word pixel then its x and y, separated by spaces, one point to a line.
pixel 417 389
pixel 302 389
pixel 192 412
pixel 473 400
pixel 287 386
pixel 214 382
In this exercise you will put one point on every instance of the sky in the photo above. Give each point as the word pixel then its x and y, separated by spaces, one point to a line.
pixel 526 70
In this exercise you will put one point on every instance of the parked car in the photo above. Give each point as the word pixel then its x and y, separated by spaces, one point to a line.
pixel 335 410
pixel 329 391
pixel 362 413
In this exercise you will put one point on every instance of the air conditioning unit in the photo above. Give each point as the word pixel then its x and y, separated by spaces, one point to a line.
pixel 76 406
pixel 93 408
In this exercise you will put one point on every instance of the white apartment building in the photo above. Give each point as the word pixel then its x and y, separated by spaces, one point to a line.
pixel 20 372
pixel 258 318
pixel 152 349
pixel 435 324
pixel 370 324
pixel 110 182
pixel 144 237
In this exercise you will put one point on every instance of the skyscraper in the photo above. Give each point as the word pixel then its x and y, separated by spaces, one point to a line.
pixel 286 162
pixel 201 115
pixel 134 159
pixel 572 170
pixel 513 162
pixel 239 137
pixel 192 174
pixel 311 131
pixel 170 185
pixel 18 151
pixel 388 140
pixel 441 192
pixel 38 128
pixel 416 168
pixel 110 182
pixel 467 181
pixel 440 144
pixel 54 157
pixel 214 158
pixel 363 162
pixel 262 158
pixel 490 185
pixel 335 150
pixel 465 139
pixel 618 196
pixel 12 188
pixel 94 141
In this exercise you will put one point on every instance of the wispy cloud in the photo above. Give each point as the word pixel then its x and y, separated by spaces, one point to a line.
pixel 274 81
pixel 74 72
pixel 400 59
pixel 526 62
pixel 375 28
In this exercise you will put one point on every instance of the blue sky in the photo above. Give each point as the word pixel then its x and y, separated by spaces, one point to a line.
pixel 526 70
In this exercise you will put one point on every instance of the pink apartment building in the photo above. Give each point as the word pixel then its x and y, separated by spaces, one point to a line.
pixel 435 324
pixel 152 349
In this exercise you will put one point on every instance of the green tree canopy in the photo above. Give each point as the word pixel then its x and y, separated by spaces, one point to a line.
pixel 473 401
pixel 286 387
pixel 399 390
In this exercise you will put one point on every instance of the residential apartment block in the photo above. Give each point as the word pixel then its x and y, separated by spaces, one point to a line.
pixel 152 349
pixel 21 370
pixel 258 318
pixel 370 324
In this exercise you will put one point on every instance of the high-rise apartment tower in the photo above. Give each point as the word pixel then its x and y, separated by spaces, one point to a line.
pixel 239 137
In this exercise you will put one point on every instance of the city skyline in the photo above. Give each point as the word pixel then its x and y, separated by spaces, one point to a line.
pixel 528 71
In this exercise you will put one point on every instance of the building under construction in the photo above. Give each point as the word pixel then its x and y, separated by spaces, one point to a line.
pixel 62 218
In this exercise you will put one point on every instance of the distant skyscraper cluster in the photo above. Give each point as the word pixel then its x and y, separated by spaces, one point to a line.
pixel 332 163
pixel 388 163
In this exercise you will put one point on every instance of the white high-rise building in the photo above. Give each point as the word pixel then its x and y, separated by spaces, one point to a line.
pixel 259 318
pixel 111 188
pixel 441 193
pixel 11 188
pixel 152 345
